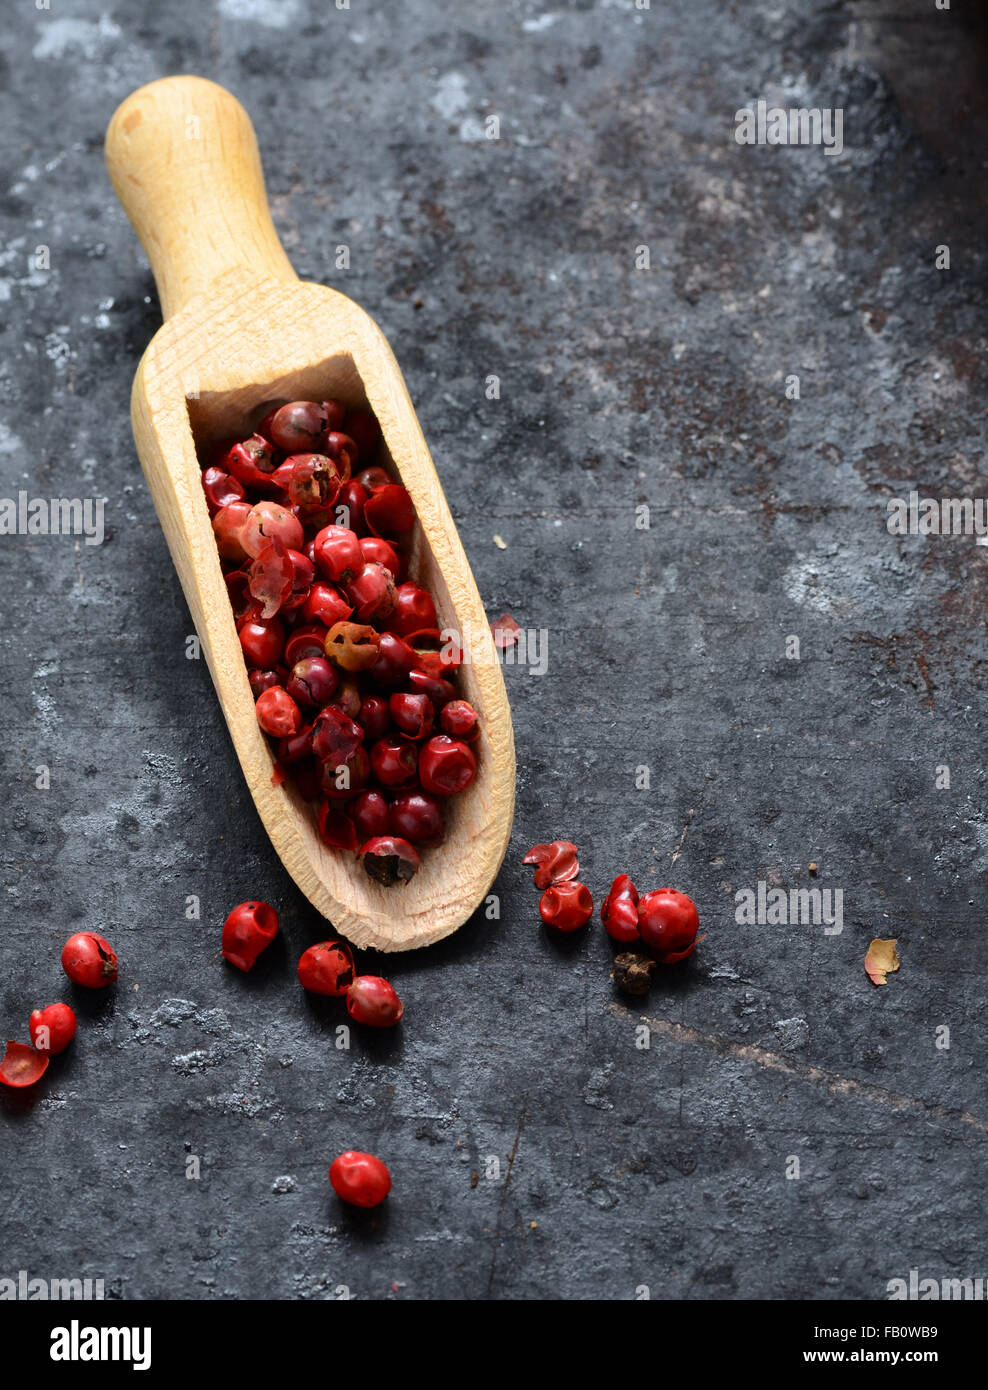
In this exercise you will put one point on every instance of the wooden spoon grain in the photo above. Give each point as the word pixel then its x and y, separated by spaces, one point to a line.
pixel 242 330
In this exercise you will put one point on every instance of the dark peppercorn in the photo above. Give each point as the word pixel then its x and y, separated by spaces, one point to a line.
pixel 633 972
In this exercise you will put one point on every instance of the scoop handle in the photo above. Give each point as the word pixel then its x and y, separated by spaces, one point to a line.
pixel 183 159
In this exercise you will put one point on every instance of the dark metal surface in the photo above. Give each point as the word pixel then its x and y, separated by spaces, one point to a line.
pixel 616 1167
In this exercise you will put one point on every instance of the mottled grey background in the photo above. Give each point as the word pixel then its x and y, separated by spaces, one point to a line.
pixel 619 1167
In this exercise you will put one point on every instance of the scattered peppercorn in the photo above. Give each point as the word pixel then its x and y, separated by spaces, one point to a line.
pixel 566 906
pixel 326 968
pixel 373 1001
pixel 249 930
pixel 668 923
pixel 619 912
pixel 359 1179
pixel 89 960
pixel 52 1028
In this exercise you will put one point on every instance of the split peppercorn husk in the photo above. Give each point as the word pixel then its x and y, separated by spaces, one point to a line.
pixel 555 863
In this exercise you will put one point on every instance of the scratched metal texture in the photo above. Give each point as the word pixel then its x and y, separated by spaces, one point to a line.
pixel 536 1151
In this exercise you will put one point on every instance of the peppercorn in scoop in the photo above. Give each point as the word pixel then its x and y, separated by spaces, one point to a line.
pixel 351 678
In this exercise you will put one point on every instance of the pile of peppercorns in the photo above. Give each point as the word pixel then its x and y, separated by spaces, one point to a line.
pixel 351 678
pixel 664 922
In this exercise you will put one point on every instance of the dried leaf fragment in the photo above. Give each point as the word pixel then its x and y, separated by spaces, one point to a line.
pixel 882 959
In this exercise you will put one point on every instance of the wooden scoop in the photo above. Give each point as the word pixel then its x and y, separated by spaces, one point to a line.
pixel 242 330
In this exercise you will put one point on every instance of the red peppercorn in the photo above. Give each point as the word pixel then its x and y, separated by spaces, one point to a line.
pixel 335 736
pixel 348 699
pixel 313 486
pixel 90 960
pixel 335 414
pixel 394 760
pixel 395 660
pixel 389 511
pixel 52 1028
pixel 306 641
pixel 336 827
pixel 414 610
pixel 381 552
pixel 341 449
pixel 270 521
pixel 306 776
pixel 264 680
pixel 281 481
pixel 263 641
pixel 346 778
pixel 249 930
pixel 371 1000
pixel 324 603
pixel 363 429
pixel 389 859
pixel 359 1179
pixel 446 766
pixel 326 968
pixel 240 597
pixel 374 717
pixel 372 593
pixel 567 906
pixel 337 553
pixel 220 489
pixel 228 527
pixel 313 681
pixel 619 912
pixel 293 748
pixel 277 713
pixel 413 714
pixel 668 923
pixel 557 862
pixel 296 427
pixel 435 654
pixel 251 462
pixel 372 478
pixel 460 720
pixel 416 817
pixel 349 509
pixel 439 691
pixel 369 812
pixel 22 1065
